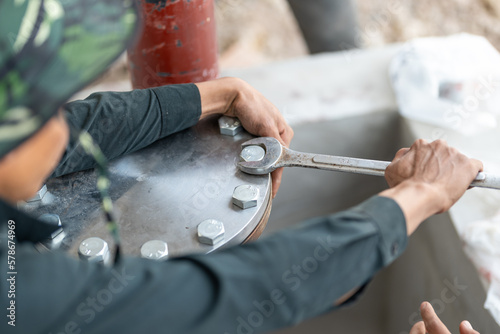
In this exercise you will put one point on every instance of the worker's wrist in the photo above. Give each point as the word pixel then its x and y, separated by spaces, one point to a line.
pixel 431 195
pixel 418 200
pixel 240 89
pixel 217 96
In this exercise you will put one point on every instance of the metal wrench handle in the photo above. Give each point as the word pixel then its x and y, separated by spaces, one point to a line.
pixel 292 158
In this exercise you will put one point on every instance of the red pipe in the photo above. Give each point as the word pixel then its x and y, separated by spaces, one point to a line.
pixel 177 45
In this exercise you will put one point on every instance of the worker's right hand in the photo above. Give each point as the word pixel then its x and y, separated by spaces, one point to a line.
pixel 235 98
pixel 441 169
pixel 431 324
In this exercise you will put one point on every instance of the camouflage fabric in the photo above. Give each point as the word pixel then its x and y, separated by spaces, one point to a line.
pixel 50 49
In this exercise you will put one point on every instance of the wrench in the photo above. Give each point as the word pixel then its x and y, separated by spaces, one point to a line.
pixel 277 156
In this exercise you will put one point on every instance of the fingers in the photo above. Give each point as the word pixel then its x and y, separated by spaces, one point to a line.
pixel 287 135
pixel 401 153
pixel 478 165
pixel 418 328
pixel 466 328
pixel 282 137
pixel 261 118
pixel 281 130
pixel 276 178
pixel 432 322
pixel 418 143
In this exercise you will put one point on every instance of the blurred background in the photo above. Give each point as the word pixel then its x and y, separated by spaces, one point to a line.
pixel 255 32
pixel 252 32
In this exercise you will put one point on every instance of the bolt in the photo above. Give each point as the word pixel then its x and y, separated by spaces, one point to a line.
pixel 229 126
pixel 155 250
pixel 245 196
pixel 94 250
pixel 39 195
pixel 54 220
pixel 253 153
pixel 211 232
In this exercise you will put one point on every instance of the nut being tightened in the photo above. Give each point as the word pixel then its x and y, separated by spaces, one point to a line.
pixel 252 153
pixel 211 232
pixel 245 196
pixel 230 126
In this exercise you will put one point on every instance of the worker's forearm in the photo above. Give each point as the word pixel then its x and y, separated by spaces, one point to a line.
pixel 417 201
pixel 124 122
pixel 217 95
pixel 289 277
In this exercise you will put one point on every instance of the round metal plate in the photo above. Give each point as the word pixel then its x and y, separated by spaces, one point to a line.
pixel 162 192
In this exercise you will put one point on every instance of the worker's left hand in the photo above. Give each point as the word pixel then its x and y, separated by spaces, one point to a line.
pixel 236 98
pixel 431 323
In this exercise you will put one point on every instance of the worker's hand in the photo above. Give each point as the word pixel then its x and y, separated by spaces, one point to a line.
pixel 236 98
pixel 428 178
pixel 446 172
pixel 261 118
pixel 431 323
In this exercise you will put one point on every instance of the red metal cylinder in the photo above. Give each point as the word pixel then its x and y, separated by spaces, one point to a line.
pixel 177 45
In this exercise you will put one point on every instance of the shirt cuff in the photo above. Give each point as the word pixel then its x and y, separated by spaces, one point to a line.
pixel 391 223
pixel 180 106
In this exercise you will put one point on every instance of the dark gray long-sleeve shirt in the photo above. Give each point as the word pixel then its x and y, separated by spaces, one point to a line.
pixel 275 282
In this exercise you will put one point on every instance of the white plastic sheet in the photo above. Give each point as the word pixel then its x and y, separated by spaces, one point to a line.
pixel 451 82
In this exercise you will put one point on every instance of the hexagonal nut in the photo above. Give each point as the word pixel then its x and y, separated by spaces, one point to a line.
pixel 94 250
pixel 211 232
pixel 54 220
pixel 252 153
pixel 39 195
pixel 229 126
pixel 245 196
pixel 155 250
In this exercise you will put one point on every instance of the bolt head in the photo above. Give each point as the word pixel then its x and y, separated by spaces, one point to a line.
pixel 211 232
pixel 252 153
pixel 94 250
pixel 230 126
pixel 52 219
pixel 245 196
pixel 155 250
pixel 39 195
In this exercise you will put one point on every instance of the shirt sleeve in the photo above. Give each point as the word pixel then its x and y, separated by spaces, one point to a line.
pixel 124 122
pixel 273 283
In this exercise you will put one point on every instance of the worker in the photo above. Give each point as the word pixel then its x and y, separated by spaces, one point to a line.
pixel 48 51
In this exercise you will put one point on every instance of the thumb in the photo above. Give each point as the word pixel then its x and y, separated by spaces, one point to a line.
pixel 466 328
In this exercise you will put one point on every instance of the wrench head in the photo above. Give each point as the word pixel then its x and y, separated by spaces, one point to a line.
pixel 270 161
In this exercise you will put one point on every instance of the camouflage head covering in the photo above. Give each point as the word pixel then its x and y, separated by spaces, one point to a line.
pixel 50 49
